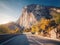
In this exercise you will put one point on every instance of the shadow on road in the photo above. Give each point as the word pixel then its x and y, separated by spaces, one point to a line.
pixel 48 41
pixel 17 40
pixel 4 37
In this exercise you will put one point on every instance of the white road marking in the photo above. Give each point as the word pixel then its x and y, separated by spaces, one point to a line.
pixel 39 42
pixel 31 37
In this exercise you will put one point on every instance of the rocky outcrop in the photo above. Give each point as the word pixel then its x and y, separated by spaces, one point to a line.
pixel 31 14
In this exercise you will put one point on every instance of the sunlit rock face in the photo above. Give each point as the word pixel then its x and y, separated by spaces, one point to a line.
pixel 31 14
pixel 26 19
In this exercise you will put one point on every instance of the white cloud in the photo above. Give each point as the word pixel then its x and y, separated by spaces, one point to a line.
pixel 6 13
pixel 7 18
pixel 5 6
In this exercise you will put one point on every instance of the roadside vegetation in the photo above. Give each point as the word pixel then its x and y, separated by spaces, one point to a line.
pixel 5 30
pixel 45 26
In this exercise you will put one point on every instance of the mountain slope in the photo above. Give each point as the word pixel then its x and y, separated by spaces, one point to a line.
pixel 31 14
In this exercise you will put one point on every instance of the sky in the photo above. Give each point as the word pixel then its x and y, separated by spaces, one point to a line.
pixel 11 10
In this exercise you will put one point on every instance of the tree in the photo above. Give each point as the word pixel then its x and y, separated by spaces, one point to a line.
pixel 56 17
pixel 44 26
pixel 4 29
pixel 33 29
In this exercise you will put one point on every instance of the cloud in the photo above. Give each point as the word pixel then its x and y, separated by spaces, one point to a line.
pixel 6 13
pixel 5 19
pixel 5 7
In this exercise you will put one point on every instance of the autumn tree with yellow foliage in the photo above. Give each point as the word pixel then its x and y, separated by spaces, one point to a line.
pixel 44 25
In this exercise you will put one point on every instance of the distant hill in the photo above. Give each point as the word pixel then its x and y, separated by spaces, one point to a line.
pixel 11 25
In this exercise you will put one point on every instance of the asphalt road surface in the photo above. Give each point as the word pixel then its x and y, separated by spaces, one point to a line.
pixel 29 39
